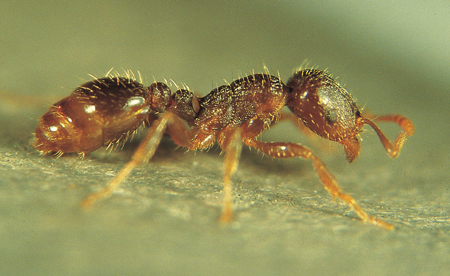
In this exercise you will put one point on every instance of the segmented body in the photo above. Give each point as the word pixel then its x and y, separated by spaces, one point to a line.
pixel 105 112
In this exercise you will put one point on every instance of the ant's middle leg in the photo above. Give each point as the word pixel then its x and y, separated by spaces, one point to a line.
pixel 230 140
pixel 285 150
pixel 232 146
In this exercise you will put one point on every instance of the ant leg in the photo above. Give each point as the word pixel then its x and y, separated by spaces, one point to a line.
pixel 393 149
pixel 232 145
pixel 145 151
pixel 179 133
pixel 286 150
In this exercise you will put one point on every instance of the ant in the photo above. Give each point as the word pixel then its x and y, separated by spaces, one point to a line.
pixel 105 112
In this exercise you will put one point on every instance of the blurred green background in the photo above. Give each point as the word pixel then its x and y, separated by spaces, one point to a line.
pixel 392 57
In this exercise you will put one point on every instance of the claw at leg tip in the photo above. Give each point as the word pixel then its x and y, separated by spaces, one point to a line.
pixel 382 224
pixel 226 217
pixel 86 204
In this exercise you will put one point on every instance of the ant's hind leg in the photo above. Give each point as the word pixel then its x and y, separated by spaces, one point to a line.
pixel 145 151
pixel 285 150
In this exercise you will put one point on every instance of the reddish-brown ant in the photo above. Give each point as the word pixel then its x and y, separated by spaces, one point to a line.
pixel 105 112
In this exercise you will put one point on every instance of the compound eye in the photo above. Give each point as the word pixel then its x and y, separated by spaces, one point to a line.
pixel 331 116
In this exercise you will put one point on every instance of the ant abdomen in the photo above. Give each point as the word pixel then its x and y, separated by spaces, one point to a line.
pixel 102 112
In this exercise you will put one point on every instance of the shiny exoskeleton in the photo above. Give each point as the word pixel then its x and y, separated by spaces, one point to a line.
pixel 105 112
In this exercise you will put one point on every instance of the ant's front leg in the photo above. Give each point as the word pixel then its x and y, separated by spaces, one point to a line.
pixel 285 150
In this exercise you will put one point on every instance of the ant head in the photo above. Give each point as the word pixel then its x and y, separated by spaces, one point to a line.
pixel 326 108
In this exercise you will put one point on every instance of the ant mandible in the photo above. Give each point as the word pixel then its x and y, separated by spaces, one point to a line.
pixel 105 112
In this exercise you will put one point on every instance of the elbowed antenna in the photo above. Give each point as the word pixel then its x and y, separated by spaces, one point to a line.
pixel 393 149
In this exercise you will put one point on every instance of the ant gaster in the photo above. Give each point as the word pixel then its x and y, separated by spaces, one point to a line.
pixel 105 112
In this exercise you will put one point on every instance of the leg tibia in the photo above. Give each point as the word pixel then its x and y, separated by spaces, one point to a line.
pixel 232 146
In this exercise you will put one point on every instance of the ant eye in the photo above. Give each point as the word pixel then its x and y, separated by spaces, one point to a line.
pixel 331 116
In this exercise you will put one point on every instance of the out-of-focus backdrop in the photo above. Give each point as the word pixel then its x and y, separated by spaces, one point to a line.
pixel 393 57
